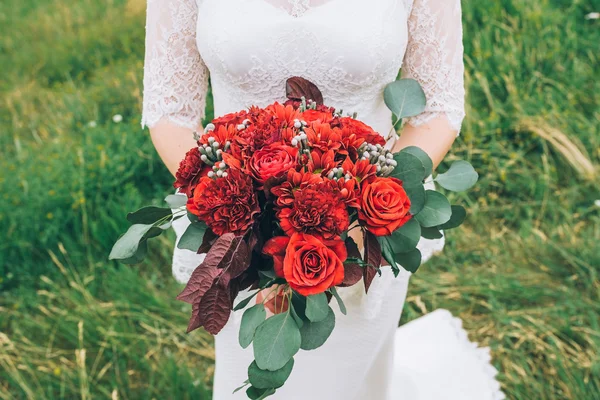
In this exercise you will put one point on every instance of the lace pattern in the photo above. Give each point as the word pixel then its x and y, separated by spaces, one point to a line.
pixel 434 58
pixel 175 77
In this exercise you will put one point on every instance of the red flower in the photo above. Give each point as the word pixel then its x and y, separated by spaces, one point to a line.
pixel 191 169
pixel 360 130
pixel 272 161
pixel 231 119
pixel 225 204
pixel 309 265
pixel 295 180
pixel 384 206
pixel 323 137
pixel 323 117
pixel 318 209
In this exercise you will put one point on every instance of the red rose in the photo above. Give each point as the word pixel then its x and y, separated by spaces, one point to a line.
pixel 225 204
pixel 319 209
pixel 384 206
pixel 272 162
pixel 309 265
pixel 191 169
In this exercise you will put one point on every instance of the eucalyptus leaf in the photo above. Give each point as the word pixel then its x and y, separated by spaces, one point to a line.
pixel 258 394
pixel 176 201
pixel 315 334
pixel 459 214
pixel 405 98
pixel 244 302
pixel 437 210
pixel 431 233
pixel 264 379
pixel 149 215
pixel 128 243
pixel 276 341
pixel 192 237
pixel 140 254
pixel 252 318
pixel 409 169
pixel 316 307
pixel 421 155
pixel 388 254
pixel 417 197
pixel 339 300
pixel 460 177
pixel 406 237
pixel 410 261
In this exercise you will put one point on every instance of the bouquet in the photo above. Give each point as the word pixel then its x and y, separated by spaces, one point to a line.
pixel 272 194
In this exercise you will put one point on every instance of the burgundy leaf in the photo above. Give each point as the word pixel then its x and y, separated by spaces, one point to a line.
pixel 297 87
pixel 235 262
pixel 207 241
pixel 195 321
pixel 203 276
pixel 352 272
pixel 214 309
pixel 372 258
pixel 201 280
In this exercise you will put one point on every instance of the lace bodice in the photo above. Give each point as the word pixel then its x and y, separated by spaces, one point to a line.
pixel 351 49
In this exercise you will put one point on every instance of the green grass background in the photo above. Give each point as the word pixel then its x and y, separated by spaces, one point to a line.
pixel 522 273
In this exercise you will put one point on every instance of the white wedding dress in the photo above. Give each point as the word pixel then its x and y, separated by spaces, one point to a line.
pixel 350 49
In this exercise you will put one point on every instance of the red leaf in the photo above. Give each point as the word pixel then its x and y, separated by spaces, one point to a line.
pixel 352 272
pixel 236 261
pixel 195 321
pixel 207 241
pixel 372 258
pixel 297 87
pixel 214 309
pixel 201 280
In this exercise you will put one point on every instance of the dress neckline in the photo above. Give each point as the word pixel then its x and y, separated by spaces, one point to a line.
pixel 309 10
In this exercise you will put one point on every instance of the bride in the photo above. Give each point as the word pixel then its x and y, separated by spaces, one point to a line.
pixel 350 49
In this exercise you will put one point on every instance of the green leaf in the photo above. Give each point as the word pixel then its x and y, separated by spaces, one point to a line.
pixel 192 237
pixel 252 318
pixel 140 254
pixel 276 341
pixel 431 233
pixel 410 261
pixel 416 194
pixel 296 316
pixel 388 254
pixel 406 237
pixel 244 302
pixel 423 157
pixel 405 98
pixel 409 169
pixel 148 215
pixel 339 300
pixel 315 334
pixel 316 307
pixel 461 176
pixel 258 394
pixel 128 244
pixel 262 379
pixel 459 214
pixel 176 200
pixel 437 210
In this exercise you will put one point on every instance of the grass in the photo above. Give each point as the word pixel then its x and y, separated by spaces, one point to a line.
pixel 522 273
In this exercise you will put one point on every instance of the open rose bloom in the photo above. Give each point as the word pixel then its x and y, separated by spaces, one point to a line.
pixel 272 194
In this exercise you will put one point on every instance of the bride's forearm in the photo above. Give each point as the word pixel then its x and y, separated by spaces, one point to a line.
pixel 172 142
pixel 435 138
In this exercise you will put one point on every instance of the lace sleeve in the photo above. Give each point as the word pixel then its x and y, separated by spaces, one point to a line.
pixel 434 57
pixel 175 77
